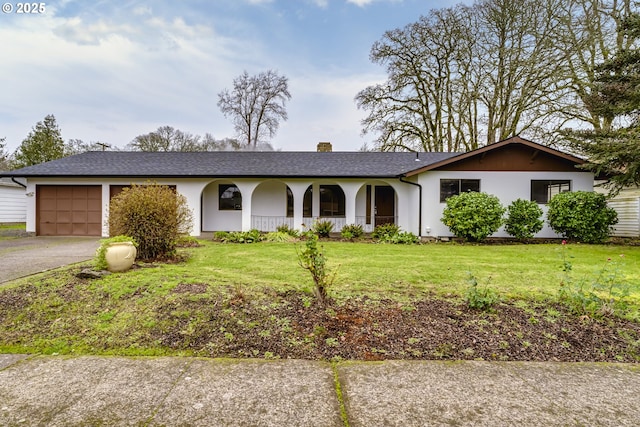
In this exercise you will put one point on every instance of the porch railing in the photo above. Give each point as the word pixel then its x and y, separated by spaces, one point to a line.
pixel 271 223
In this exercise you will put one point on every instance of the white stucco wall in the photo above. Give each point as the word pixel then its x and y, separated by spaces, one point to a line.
pixel 507 186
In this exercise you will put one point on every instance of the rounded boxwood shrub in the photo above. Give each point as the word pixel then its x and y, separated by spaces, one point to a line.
pixel 524 219
pixel 154 215
pixel 581 215
pixel 473 216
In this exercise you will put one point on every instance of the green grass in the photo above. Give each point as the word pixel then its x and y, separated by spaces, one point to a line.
pixel 388 271
pixel 12 226
pixel 55 312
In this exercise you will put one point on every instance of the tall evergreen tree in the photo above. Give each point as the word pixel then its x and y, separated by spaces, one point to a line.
pixel 5 158
pixel 614 151
pixel 44 143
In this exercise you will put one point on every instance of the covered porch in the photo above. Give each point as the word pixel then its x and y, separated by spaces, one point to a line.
pixel 265 205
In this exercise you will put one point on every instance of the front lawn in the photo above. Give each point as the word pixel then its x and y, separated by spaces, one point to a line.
pixel 390 301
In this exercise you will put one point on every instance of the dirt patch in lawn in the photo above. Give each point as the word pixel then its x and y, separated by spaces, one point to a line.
pixel 218 321
pixel 291 325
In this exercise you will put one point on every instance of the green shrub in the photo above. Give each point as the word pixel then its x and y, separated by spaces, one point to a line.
pixel 220 235
pixel 385 231
pixel 100 259
pixel 279 236
pixel 251 236
pixel 480 298
pixel 187 242
pixel 284 228
pixel 581 215
pixel 322 228
pixel 154 215
pixel 524 219
pixel 604 294
pixel 352 231
pixel 473 216
pixel 401 238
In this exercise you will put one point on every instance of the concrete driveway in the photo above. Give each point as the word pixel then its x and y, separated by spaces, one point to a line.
pixel 22 257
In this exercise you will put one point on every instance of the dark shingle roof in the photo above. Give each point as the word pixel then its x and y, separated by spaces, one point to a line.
pixel 232 164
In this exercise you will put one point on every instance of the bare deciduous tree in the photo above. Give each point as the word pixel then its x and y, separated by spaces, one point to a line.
pixel 256 105
pixel 467 76
pixel 587 35
pixel 166 138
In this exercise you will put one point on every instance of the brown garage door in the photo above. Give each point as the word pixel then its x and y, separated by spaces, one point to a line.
pixel 69 210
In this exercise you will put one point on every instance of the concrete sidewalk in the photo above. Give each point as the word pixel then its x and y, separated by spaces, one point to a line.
pixel 88 390
pixel 30 255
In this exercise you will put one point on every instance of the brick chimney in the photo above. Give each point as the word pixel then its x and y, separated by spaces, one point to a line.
pixel 324 147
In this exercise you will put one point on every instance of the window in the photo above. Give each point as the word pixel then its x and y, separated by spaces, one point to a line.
pixel 230 197
pixel 289 203
pixel 331 200
pixel 307 203
pixel 453 187
pixel 543 190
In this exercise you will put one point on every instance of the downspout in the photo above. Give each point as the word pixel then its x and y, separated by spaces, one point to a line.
pixel 401 178
pixel 18 182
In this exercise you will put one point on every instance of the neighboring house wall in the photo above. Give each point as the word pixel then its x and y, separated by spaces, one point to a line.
pixel 13 206
pixel 628 210
pixel 507 186
pixel 627 204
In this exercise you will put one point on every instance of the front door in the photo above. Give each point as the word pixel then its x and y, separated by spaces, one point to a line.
pixel 385 206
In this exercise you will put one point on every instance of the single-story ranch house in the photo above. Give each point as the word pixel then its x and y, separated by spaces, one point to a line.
pixel 244 190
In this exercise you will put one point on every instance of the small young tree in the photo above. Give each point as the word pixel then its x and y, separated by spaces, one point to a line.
pixel 154 215
pixel 312 259
pixel 524 219
pixel 581 215
pixel 473 216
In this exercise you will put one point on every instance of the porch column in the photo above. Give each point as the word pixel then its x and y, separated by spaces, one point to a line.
pixel 350 192
pixel 192 191
pixel 246 189
pixel 315 204
pixel 298 189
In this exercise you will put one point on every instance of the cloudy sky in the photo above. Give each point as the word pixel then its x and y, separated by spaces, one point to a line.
pixel 112 70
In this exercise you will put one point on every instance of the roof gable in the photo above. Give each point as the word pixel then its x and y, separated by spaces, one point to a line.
pixel 512 154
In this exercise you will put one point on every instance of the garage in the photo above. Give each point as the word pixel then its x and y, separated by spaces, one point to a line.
pixel 69 210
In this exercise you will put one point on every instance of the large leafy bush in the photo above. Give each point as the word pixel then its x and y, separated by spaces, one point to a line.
pixel 154 215
pixel 581 215
pixel 473 216
pixel 524 219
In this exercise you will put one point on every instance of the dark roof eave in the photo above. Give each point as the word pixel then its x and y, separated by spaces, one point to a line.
pixel 212 176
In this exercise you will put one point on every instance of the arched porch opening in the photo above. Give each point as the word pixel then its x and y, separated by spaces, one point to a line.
pixel 221 202
pixel 376 204
pixel 325 201
pixel 272 206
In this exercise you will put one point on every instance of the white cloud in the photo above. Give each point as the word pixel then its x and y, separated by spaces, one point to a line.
pixel 360 3
pixel 106 79
pixel 142 10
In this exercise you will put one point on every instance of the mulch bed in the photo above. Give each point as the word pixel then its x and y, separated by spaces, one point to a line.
pixel 292 325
